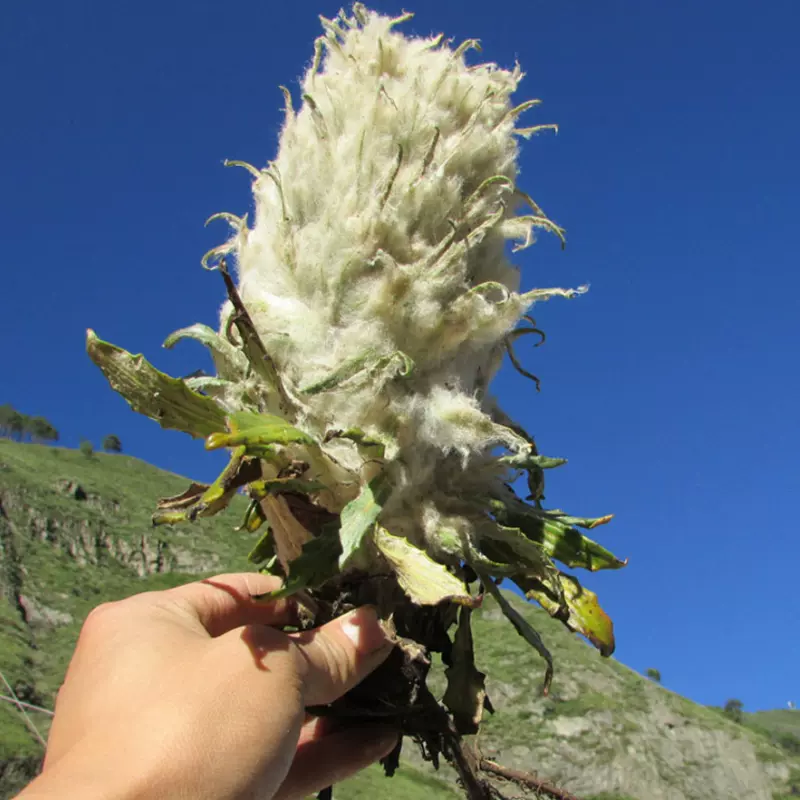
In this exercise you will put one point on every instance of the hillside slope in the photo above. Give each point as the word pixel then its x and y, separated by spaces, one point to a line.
pixel 75 531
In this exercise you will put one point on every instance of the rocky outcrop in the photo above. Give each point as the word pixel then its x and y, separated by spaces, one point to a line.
pixel 604 731
pixel 90 539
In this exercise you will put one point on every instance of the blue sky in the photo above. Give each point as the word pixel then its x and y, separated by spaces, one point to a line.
pixel 670 386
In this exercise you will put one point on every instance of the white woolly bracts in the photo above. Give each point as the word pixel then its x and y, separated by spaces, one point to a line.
pixel 375 271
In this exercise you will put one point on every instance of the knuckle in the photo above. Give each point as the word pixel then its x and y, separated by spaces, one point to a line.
pixel 98 617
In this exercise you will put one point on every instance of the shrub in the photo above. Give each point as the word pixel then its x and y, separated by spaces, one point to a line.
pixel 733 710
pixel 112 444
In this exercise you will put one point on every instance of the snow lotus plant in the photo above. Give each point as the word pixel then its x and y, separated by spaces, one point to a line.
pixel 374 303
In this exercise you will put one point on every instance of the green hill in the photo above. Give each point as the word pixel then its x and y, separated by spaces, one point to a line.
pixel 75 531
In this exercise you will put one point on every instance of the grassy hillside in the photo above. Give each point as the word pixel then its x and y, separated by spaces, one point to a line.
pixel 75 531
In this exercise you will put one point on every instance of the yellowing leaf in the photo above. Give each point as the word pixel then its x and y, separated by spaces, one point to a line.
pixel 583 613
pixel 254 518
pixel 425 581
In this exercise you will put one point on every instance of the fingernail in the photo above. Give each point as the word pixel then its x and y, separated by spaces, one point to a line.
pixel 364 630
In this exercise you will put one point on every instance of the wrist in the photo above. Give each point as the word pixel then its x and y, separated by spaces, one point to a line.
pixel 69 781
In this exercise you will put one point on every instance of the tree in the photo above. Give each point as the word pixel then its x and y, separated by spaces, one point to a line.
pixel 41 430
pixel 17 425
pixel 653 674
pixel 87 448
pixel 112 444
pixel 733 708
pixel 6 413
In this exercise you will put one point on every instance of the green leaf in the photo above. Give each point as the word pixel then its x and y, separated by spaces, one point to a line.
pixel 425 581
pixel 510 545
pixel 272 567
pixel 581 522
pixel 264 549
pixel 253 430
pixel 254 518
pixel 165 399
pixel 528 460
pixel 358 517
pixel 230 361
pixel 523 628
pixel 461 547
pixel 343 372
pixel 396 364
pixel 315 565
pixel 372 447
pixel 558 539
pixel 466 688
pixel 583 614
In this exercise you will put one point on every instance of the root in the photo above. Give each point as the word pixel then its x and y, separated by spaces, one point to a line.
pixel 525 780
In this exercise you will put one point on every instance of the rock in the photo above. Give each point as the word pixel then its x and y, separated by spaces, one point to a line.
pixel 37 614
pixel 71 489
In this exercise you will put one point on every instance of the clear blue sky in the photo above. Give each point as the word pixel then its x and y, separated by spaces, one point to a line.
pixel 670 386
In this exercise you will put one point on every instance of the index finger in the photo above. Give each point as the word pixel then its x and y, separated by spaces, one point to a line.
pixel 225 602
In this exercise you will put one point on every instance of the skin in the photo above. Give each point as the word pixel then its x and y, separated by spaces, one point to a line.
pixel 194 692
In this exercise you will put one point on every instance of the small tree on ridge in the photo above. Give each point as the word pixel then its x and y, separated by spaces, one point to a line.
pixel 112 444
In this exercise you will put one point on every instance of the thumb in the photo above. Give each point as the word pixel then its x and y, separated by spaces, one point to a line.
pixel 341 654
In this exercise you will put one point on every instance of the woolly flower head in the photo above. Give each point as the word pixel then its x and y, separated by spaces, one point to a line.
pixel 374 304
pixel 375 273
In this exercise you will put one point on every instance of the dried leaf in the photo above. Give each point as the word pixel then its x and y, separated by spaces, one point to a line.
pixel 466 689
pixel 425 581
pixel 185 498
pixel 358 517
pixel 278 485
pixel 165 399
pixel 215 498
pixel 290 534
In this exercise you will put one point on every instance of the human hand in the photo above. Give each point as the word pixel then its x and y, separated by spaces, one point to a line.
pixel 190 693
